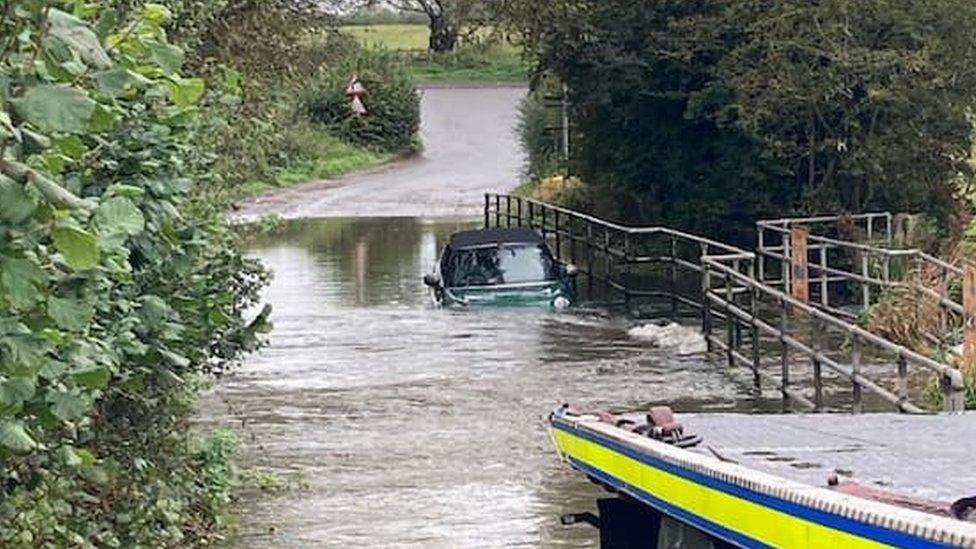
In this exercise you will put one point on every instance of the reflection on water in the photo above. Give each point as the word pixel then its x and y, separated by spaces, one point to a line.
pixel 406 425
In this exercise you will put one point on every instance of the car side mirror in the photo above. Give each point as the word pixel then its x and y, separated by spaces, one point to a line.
pixel 432 280
pixel 571 270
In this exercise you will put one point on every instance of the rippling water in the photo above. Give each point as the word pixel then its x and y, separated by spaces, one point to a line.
pixel 398 424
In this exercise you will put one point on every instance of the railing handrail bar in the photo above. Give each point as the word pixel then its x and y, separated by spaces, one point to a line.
pixel 954 375
pixel 821 218
pixel 629 229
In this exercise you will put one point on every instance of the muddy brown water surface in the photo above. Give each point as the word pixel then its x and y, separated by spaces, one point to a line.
pixel 393 423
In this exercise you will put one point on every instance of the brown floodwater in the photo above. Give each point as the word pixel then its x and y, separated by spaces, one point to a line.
pixel 392 423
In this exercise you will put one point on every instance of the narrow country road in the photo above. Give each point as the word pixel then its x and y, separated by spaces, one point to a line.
pixel 470 147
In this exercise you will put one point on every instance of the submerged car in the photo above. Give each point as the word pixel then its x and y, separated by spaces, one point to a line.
pixel 501 266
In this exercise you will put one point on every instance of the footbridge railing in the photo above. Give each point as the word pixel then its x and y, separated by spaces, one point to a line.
pixel 752 320
pixel 854 260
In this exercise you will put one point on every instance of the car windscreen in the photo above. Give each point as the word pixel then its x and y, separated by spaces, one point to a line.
pixel 502 264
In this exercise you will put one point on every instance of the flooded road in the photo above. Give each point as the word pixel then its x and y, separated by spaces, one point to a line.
pixel 395 424
pixel 470 148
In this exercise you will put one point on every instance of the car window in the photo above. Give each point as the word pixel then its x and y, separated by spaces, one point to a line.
pixel 504 264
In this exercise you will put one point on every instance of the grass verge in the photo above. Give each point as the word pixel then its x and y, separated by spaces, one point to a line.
pixel 316 154
pixel 491 61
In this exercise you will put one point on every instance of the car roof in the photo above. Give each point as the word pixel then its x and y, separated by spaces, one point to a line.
pixel 494 235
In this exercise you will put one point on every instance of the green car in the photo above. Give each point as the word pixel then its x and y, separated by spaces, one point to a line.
pixel 501 267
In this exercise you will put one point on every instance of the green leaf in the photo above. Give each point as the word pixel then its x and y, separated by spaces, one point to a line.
pixel 78 247
pixel 66 406
pixel 55 108
pixel 167 56
pixel 21 277
pixel 186 91
pixel 156 14
pixel 92 377
pixel 15 204
pixel 16 390
pixel 119 215
pixel 75 33
pixel 115 82
pixel 14 436
pixel 70 314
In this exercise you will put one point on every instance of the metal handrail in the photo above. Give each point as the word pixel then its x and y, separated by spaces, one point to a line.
pixel 615 248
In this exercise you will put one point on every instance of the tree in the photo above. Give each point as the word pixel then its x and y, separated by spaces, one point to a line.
pixel 446 19
pixel 709 114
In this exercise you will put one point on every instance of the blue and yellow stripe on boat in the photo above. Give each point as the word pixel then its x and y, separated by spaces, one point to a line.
pixel 731 511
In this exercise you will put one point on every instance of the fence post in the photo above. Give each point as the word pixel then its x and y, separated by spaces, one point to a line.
pixel 902 378
pixel 799 273
pixel 588 245
pixel 761 255
pixel 487 207
pixel 969 311
pixel 706 283
pixel 865 285
pixel 824 282
pixel 571 233
pixel 498 211
pixel 729 321
pixel 855 372
pixel 784 352
pixel 785 262
pixel 817 367
pixel 559 253
pixel 943 313
pixel 754 314
pixel 674 279
pixel 543 225
pixel 518 204
pixel 531 215
pixel 626 272
pixel 508 210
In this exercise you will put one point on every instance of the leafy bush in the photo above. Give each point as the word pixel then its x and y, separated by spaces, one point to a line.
pixel 393 105
pixel 540 137
pixel 119 286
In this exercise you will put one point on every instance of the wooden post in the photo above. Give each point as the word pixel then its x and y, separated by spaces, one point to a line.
pixel 508 210
pixel 519 204
pixel 799 274
pixel 498 210
pixel 531 215
pixel 969 309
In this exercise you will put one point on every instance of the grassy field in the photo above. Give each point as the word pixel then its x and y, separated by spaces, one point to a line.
pixel 499 62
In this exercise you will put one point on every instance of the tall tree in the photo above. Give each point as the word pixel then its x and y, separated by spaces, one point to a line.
pixel 710 113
